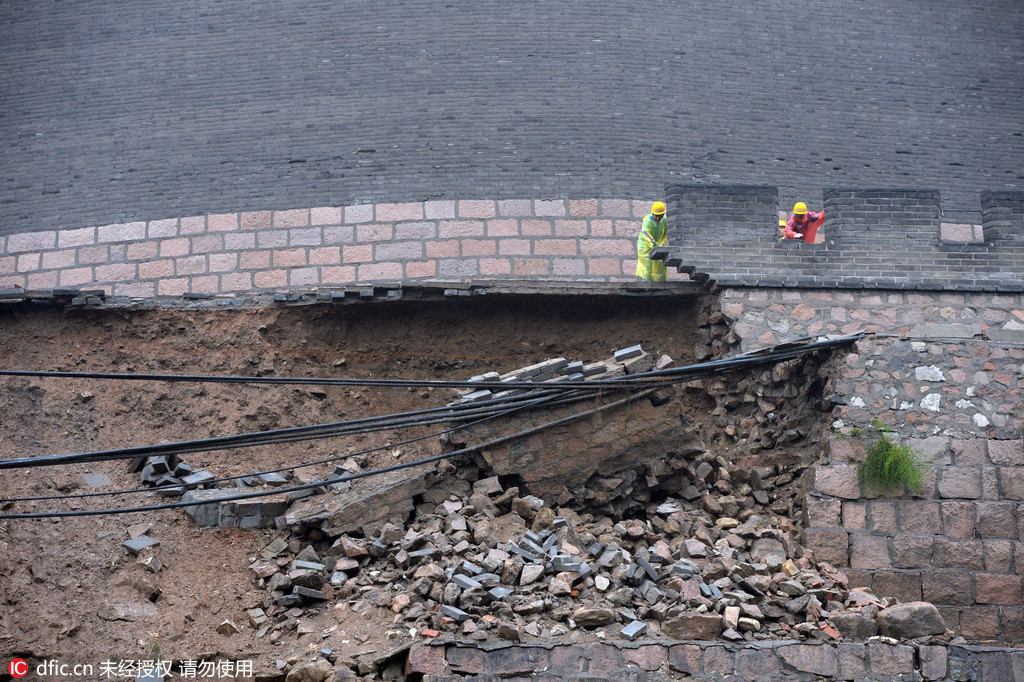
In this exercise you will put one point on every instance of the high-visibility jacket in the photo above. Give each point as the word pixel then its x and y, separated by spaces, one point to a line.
pixel 652 233
pixel 808 227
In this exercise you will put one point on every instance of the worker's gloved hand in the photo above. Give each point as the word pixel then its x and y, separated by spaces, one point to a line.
pixel 798 236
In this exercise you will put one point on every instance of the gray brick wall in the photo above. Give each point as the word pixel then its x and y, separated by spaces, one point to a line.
pixel 1002 216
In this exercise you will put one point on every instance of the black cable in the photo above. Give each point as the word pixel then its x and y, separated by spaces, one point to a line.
pixel 340 479
pixel 303 465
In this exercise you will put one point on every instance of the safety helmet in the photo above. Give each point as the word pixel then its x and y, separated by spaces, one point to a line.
pixel 658 208
pixel 799 208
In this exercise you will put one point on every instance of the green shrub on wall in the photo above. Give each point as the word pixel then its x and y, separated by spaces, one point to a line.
pixel 891 466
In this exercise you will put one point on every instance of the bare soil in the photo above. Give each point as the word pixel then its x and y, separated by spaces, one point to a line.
pixel 68 590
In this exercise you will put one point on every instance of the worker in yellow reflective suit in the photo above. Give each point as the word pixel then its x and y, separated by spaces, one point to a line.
pixel 653 233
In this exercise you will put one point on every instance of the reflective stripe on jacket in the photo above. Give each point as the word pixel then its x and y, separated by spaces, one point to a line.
pixel 653 233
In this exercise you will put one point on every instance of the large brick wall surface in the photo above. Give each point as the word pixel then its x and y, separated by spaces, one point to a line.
pixel 946 372
pixel 328 246
pixel 873 238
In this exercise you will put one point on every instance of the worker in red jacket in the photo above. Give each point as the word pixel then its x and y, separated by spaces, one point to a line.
pixel 803 224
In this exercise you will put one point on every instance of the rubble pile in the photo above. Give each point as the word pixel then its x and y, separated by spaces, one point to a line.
pixel 483 561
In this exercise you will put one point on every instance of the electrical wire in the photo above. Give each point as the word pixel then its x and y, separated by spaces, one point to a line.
pixel 340 479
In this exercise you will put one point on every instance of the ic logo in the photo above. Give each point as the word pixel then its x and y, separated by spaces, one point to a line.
pixel 17 668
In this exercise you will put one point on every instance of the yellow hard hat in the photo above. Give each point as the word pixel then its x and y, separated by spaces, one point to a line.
pixel 799 208
pixel 658 208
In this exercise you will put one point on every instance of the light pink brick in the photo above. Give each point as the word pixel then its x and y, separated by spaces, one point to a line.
pixel 549 207
pixel 344 274
pixel 1006 452
pixel 309 236
pixel 357 253
pixel 371 272
pixel 256 220
pixel 195 224
pixel 304 277
pixel 359 213
pixel 601 228
pixel 172 287
pixel 457 267
pixel 156 269
pixel 535 228
pixel 583 208
pixel 640 208
pixel 193 265
pixel 493 267
pixel 398 251
pixel 124 232
pixel 568 266
pixel 8 265
pixel 554 247
pixel 606 247
pixel 570 228
pixel 604 267
pixel 171 248
pixel 136 289
pixel 270 279
pixel 474 208
pixel 503 227
pixel 58 259
pixel 268 239
pixel 83 236
pixel 375 232
pixel 207 284
pixel 515 208
pixel 222 222
pixel 236 281
pixel 515 247
pixel 479 247
pixel 339 234
pixel 118 272
pixel 615 208
pixel 956 232
pixel 43 280
pixel 531 266
pixel 290 258
pixel 439 209
pixel 118 253
pixel 325 255
pixel 75 277
pixel 157 229
pixel 627 228
pixel 421 268
pixel 412 210
pixel 325 215
pixel 420 230
pixel 29 262
pixel 142 250
pixel 237 241
pixel 223 262
pixel 298 217
pixel 31 241
pixel 444 248
pixel 13 281
pixel 461 228
pixel 254 260
pixel 88 255
pixel 207 243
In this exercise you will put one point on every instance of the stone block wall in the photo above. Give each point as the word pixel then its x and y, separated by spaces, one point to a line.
pixel 958 542
pixel 334 246
pixel 946 372
pixel 764 661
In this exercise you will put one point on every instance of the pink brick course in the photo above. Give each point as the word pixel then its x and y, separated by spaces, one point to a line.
pixel 227 252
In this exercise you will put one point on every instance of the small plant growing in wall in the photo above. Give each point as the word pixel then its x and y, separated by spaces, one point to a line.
pixel 891 466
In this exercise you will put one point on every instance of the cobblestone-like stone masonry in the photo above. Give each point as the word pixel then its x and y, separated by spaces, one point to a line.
pixel 238 252
pixel 765 661
pixel 946 371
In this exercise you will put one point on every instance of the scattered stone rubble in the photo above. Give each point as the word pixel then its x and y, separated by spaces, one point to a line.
pixel 487 562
